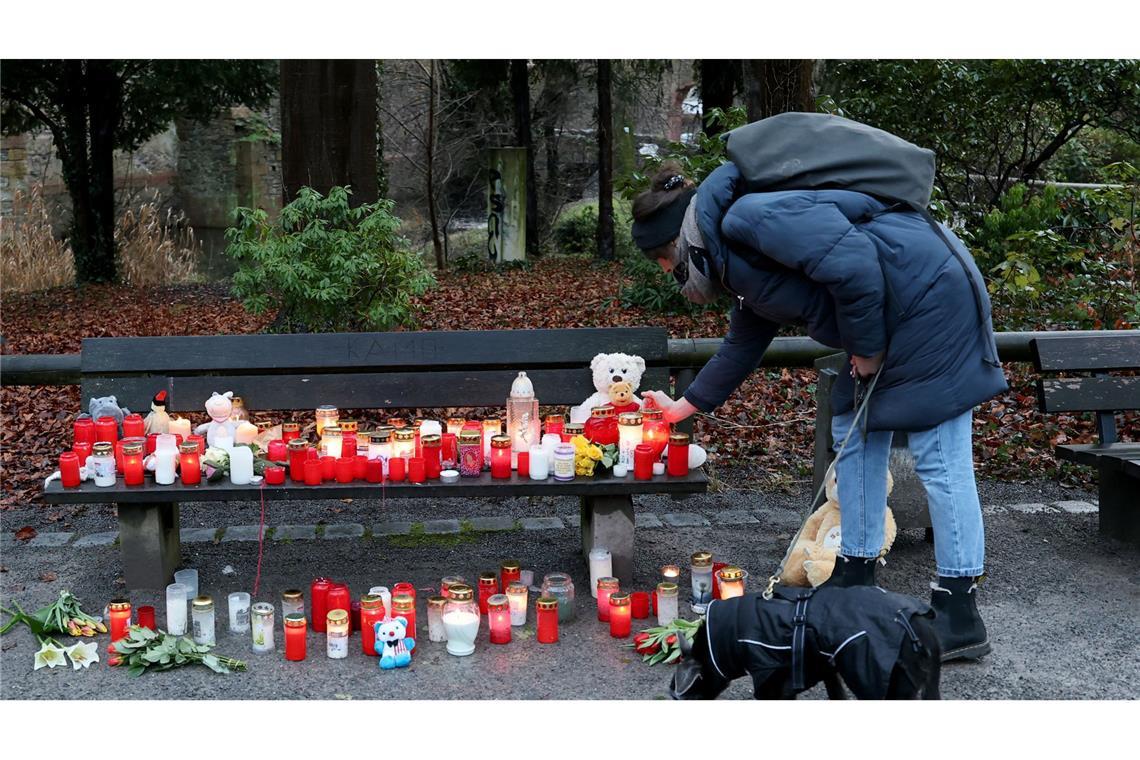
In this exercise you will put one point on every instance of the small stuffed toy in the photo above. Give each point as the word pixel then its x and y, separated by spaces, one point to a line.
pixel 393 645
pixel 107 406
pixel 621 398
pixel 219 407
pixel 609 370
pixel 158 421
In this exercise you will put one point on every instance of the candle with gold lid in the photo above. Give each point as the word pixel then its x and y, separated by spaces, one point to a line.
pixel 455 425
pixel 435 605
pixel 621 615
pixel 700 572
pixel 326 415
pixel 404 442
pixel 331 442
pixel 517 593
pixel 336 633
pixel 499 619
pixel 731 581
pixel 629 436
pixel 666 603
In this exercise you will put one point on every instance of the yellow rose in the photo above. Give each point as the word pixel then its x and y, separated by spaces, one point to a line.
pixel 595 453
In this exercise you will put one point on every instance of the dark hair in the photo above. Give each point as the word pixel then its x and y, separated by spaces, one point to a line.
pixel 665 187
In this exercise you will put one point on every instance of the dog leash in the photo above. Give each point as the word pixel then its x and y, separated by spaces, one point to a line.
pixel 860 413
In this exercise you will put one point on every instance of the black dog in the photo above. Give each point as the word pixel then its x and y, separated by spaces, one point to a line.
pixel 880 644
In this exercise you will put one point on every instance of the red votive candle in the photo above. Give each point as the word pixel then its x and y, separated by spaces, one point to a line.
pixel 328 468
pixel 200 440
pixel 359 467
pixel 106 429
pixel 546 615
pixel 354 616
pixel 643 462
pixel 678 465
pixel 318 601
pixel 620 621
pixel 338 598
pixel 717 566
pixel 134 426
pixel 120 612
pixel 371 613
pixel 488 587
pixel 119 456
pixel 69 469
pixel 344 467
pixel 278 451
pixel 607 587
pixel 449 451
pixel 151 443
pixel 396 467
pixel 416 471
pixel 289 431
pixel 431 449
pixel 523 464
pixel 82 450
pixel 501 457
pixel 639 604
pixel 274 476
pixel 555 424
pixel 499 619
pixel 312 472
pixel 295 644
pixel 654 431
pixel 146 617
pixel 133 463
pixel 83 431
pixel 509 572
pixel 190 464
pixel 374 470
pixel 297 454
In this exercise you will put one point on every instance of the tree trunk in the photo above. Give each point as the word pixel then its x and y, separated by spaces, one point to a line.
pixel 103 98
pixel 778 86
pixel 328 127
pixel 605 161
pixel 720 78
pixel 429 159
pixel 520 94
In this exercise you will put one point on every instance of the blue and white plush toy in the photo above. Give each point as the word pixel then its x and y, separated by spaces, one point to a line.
pixel 392 643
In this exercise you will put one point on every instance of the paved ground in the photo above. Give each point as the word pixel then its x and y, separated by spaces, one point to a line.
pixel 1061 602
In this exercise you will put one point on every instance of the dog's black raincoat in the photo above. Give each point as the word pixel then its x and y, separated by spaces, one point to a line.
pixel 860 629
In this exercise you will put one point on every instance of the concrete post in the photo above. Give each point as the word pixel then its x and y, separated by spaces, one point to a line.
pixel 506 205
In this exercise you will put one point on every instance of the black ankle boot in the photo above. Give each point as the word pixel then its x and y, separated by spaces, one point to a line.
pixel 852 571
pixel 959 626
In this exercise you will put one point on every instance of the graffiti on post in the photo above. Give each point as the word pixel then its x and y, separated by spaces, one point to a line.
pixel 498 202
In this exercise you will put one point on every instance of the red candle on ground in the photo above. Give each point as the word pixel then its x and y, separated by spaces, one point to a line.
pixel 354 616
pixel 313 475
pixel 374 470
pixel 488 587
pixel 69 469
pixel 134 426
pixel 278 451
pixel 295 644
pixel 83 431
pixel 82 450
pixel 405 606
pixel 416 470
pixel 274 476
pixel 620 621
pixel 639 604
pixel 371 613
pixel 359 467
pixel 607 587
pixel 344 468
pixel 146 617
pixel 106 429
pixel 404 588
pixel 499 619
pixel 523 467
pixel 643 462
pixel 328 468
pixel 200 440
pixel 546 614
pixel 338 598
pixel 509 572
pixel 318 601
pixel 396 469
pixel 120 612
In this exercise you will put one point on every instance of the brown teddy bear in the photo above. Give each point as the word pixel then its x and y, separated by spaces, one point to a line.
pixel 621 398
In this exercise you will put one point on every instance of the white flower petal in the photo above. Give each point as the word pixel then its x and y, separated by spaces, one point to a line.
pixel 84 654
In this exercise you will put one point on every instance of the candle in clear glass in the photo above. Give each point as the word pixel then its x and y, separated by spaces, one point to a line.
pixel 499 619
pixel 404 605
pixel 119 610
pixel 295 630
pixel 492 426
pixel 101 464
pixel 700 571
pixel 435 605
pixel 539 464
pixel 178 426
pixel 601 566
pixel 69 469
pixel 678 458
pixel 524 428
pixel 671 574
pixel 239 612
pixel 517 597
pixel 241 465
pixel 561 587
pixel 620 615
pixel 331 442
pixel 488 587
pixel 106 429
pixel 448 581
pixel 629 436
pixel 371 612
pixel 455 425
pixel 188 577
pixel 509 572
pixel 292 602
pixel 404 443
pixel 546 616
pixel 470 454
pixel 326 415
pixel 176 596
pixel 202 620
pixel 336 634
pixel 500 457
pixel 605 588
pixel 731 582
pixel 189 463
pixel 261 627
pixel 666 603
pixel 461 620
pixel 564 462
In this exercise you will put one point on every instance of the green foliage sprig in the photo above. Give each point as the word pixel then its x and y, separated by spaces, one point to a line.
pixel 143 649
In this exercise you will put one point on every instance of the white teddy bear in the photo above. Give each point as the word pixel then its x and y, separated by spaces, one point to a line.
pixel 608 369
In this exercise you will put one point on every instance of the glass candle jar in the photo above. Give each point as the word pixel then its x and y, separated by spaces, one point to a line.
pixel 83 431
pixel 554 424
pixel 470 453
pixel 602 426
pixel 326 415
pixel 295 630
pixel 499 619
pixel 238 411
pixel 560 587
pixel 524 428
pixel 546 615
pixel 101 464
pixel 488 587
pixel 671 574
pixel 133 467
pixel 431 448
pixel 606 587
pixel 666 603
pixel 261 627
pixel 435 606
pixel 620 615
pixel 564 462
pixel 629 437
pixel 119 611
pixel 500 457
pixel 331 442
pixel 106 430
pixel 336 634
pixel 643 462
pixel 517 592
pixel 492 426
pixel 188 577
pixel 404 442
pixel 176 596
pixel 380 443
pixel 202 620
pixel 200 440
pixel 448 581
pixel 404 605
pixel 731 581
pixel 449 451
pixel 292 602
pixel 348 431
pixel 700 571
pixel 461 621
pixel 82 450
pixel 601 566
pixel 290 431
pixel 654 431
pixel 678 464
pixel 189 463
pixel 509 572
pixel 572 429
pixel 371 612
pixel 455 424
pixel 539 464
pixel 318 602
pixel 239 611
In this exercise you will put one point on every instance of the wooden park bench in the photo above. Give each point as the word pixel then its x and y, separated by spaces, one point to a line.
pixel 361 371
pixel 1117 462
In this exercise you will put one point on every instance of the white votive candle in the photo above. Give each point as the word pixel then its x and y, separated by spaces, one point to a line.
pixel 188 577
pixel 620 470
pixel 658 468
pixel 239 612
pixel 539 463
pixel 601 566
pixel 176 608
pixel 241 465
pixel 246 433
pixel 180 426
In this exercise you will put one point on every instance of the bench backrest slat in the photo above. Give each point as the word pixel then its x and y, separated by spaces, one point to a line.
pixel 1089 394
pixel 1110 352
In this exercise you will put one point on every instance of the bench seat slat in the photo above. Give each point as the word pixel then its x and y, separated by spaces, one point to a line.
pixel 1109 352
pixel 1090 453
pixel 246 354
pixel 1089 394
pixel 695 482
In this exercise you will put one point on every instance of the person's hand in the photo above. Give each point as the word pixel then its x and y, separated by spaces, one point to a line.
pixel 674 411
pixel 864 366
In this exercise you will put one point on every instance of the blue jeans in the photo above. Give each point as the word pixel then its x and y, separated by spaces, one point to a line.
pixel 945 464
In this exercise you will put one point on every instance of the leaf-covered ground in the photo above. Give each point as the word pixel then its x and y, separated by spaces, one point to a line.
pixel 770 419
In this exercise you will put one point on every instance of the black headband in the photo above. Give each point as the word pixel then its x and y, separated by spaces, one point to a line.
pixel 664 225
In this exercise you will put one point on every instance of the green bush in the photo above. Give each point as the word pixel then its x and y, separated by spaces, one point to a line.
pixel 576 231
pixel 325 266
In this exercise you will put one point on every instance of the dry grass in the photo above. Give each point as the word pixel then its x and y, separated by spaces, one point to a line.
pixel 154 248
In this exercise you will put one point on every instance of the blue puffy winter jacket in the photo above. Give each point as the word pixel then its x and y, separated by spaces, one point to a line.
pixel 859 274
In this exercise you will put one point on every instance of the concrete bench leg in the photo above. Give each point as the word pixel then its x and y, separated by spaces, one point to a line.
pixel 1119 503
pixel 148 538
pixel 608 521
